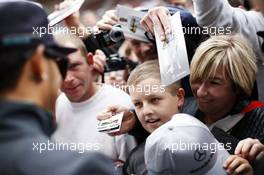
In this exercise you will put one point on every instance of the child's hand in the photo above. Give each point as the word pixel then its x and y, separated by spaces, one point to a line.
pixel 237 165
pixel 128 122
pixel 250 149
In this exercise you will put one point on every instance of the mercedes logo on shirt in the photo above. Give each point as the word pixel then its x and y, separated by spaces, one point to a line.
pixel 199 155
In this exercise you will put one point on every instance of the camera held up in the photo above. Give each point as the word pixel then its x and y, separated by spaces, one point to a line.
pixel 109 42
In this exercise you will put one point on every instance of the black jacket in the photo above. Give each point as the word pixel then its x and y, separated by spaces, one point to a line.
pixel 24 129
pixel 251 125
pixel 135 163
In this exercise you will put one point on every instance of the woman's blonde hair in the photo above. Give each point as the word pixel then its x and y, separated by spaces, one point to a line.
pixel 231 52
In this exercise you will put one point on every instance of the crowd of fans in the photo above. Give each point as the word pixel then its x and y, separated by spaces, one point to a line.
pixel 56 88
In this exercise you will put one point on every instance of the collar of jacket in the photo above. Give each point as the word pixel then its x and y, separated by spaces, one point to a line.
pixel 237 108
pixel 25 117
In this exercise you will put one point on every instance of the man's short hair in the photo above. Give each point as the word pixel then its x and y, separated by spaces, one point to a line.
pixel 61 38
pixel 234 54
pixel 150 69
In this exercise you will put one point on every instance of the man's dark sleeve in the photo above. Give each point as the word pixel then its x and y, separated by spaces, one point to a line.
pixel 59 162
pixel 258 166
pixel 96 163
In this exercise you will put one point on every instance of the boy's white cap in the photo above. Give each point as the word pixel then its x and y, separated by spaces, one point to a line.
pixel 184 145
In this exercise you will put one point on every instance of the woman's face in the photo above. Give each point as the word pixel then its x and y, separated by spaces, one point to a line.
pixel 215 96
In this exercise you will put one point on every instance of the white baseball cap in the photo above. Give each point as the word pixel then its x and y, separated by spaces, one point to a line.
pixel 184 145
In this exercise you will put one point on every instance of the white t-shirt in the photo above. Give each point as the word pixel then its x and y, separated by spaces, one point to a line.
pixel 77 123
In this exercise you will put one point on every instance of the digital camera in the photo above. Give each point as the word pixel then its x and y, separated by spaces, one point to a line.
pixel 115 62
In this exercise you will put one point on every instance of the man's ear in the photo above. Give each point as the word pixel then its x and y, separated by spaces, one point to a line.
pixel 89 58
pixel 180 95
pixel 37 64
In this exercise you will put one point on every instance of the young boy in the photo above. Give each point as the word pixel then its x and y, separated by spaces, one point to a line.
pixel 154 104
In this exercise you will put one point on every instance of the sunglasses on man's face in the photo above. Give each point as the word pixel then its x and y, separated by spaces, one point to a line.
pixel 63 64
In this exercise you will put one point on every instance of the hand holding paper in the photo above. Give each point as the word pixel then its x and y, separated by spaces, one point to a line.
pixel 160 18
pixel 172 52
pixel 112 124
pixel 67 8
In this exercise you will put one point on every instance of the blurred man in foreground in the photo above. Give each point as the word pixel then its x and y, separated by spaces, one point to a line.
pixel 30 80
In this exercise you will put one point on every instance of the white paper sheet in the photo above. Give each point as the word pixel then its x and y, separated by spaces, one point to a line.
pixel 172 54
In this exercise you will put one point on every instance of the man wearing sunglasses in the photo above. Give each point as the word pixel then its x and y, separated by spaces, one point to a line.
pixel 29 83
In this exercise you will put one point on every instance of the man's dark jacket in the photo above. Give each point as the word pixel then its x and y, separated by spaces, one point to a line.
pixel 22 128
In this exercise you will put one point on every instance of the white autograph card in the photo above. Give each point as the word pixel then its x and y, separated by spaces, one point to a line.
pixel 57 16
pixel 112 124
pixel 173 59
pixel 129 19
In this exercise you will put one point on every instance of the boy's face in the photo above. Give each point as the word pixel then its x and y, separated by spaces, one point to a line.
pixel 155 107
